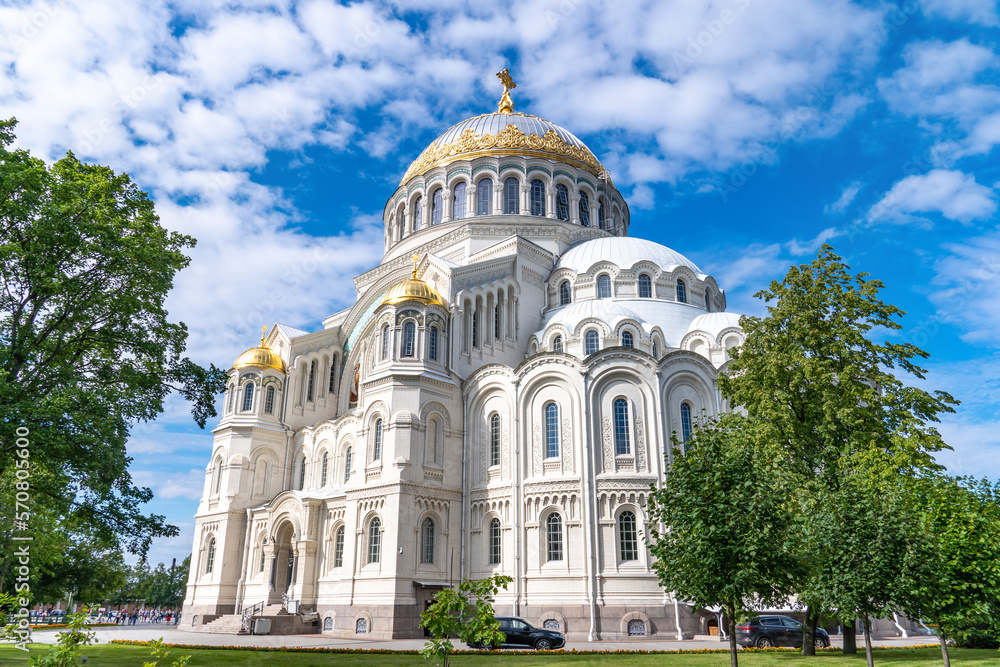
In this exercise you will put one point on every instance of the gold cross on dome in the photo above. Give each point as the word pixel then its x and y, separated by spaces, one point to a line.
pixel 263 334
pixel 506 105
pixel 416 260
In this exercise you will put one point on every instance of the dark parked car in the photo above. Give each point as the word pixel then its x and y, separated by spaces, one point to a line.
pixel 521 633
pixel 767 631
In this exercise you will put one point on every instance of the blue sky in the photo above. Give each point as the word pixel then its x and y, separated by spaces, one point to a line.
pixel 743 133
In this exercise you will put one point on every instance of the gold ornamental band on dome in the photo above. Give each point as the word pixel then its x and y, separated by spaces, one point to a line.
pixel 261 356
pixel 470 145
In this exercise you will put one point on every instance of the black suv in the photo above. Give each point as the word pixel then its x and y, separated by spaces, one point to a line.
pixel 767 631
pixel 521 633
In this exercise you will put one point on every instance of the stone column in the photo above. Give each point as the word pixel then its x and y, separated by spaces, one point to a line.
pixel 449 206
pixel 470 201
pixel 550 201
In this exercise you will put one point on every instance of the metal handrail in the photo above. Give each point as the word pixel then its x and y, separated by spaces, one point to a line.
pixel 248 614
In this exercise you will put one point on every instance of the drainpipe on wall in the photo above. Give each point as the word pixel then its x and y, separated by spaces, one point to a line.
pixel 588 521
pixel 465 486
pixel 517 498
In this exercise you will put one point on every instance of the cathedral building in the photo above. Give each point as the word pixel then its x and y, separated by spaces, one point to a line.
pixel 500 398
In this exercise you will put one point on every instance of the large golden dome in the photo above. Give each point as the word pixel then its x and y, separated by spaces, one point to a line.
pixel 261 356
pixel 413 289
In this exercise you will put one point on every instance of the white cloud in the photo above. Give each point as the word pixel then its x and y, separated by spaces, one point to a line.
pixel 973 11
pixel 187 485
pixel 968 290
pixel 844 200
pixel 797 248
pixel 953 194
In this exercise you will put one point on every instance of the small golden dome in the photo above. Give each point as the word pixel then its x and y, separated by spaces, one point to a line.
pixel 261 356
pixel 413 289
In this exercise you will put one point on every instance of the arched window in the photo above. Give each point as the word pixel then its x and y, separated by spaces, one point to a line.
pixel 495 542
pixel 551 431
pixel 377 444
pixel 537 197
pixel 311 384
pixel 361 627
pixel 584 209
pixel 263 557
pixel 627 339
pixel 217 474
pixel 685 422
pixel 565 293
pixel 497 321
pixel 437 204
pixel 604 286
pixel 511 196
pixel 623 445
pixel 557 344
pixel 645 286
pixel 591 342
pixel 562 202
pixel 427 541
pixel 459 201
pixel 347 465
pixel 302 473
pixel 210 556
pixel 553 537
pixel 232 398
pixel 432 343
pixel 385 342
pixel 656 350
pixel 495 440
pixel 326 465
pixel 600 213
pixel 682 294
pixel 628 538
pixel 269 400
pixel 409 339
pixel 418 212
pixel 333 375
pixel 248 397
pixel 484 197
pixel 374 540
pixel 401 224
pixel 338 548
pixel 708 300
pixel 636 628
pixel 475 328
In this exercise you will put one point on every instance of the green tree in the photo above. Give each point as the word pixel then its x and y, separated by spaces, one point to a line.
pixel 66 651
pixel 720 529
pixel 810 371
pixel 465 612
pixel 953 565
pixel 86 347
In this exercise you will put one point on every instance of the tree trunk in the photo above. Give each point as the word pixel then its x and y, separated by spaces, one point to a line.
pixel 944 647
pixel 850 638
pixel 868 643
pixel 809 633
pixel 731 629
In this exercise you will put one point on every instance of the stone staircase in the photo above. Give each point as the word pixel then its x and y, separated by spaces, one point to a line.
pixel 282 623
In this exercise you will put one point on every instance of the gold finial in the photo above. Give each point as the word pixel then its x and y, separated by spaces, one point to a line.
pixel 416 260
pixel 506 104
pixel 263 334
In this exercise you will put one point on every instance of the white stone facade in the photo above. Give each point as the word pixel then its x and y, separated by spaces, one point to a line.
pixel 515 422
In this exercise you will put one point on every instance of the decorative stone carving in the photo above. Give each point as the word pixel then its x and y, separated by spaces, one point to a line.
pixel 536 448
pixel 567 447
pixel 640 444
pixel 609 445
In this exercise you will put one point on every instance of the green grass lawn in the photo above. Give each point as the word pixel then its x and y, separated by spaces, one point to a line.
pixel 134 656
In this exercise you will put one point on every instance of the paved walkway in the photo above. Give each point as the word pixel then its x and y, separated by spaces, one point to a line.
pixel 172 635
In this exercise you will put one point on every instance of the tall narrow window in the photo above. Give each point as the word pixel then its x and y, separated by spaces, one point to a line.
pixel 591 342
pixel 326 465
pixel 511 196
pixel 682 294
pixel 311 384
pixel 347 465
pixel 685 422
pixel 248 397
pixel 432 343
pixel 656 350
pixel 708 300
pixel 232 398
pixel 427 541
pixel 627 339
pixel 409 339
pixel 600 214
pixel 604 286
pixel 401 224
pixel 554 538
pixel 537 197
pixel 565 293
pixel 374 540
pixel 562 202
pixel 418 213
pixel 302 474
pixel 458 205
pixel 623 445
pixel 217 472
pixel 377 444
pixel 269 400
pixel 628 537
pixel 497 310
pixel 584 209
pixel 437 203
pixel 484 197
pixel 475 328
pixel 333 375
pixel 263 558
pixel 385 342
pixel 338 548
pixel 495 542
pixel 645 286
pixel 495 440
pixel 551 431
pixel 210 556
pixel 557 344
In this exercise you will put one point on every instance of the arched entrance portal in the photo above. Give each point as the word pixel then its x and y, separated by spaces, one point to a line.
pixel 284 564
